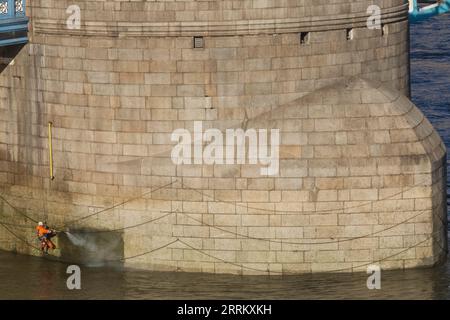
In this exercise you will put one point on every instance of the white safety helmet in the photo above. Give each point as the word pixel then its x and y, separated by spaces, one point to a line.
pixel 40 223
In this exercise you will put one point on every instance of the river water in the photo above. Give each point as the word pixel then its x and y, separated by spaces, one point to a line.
pixel 23 277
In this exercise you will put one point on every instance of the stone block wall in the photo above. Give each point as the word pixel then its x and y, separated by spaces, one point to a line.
pixel 116 89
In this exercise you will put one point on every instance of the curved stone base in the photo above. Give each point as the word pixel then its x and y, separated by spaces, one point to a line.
pixel 361 181
pixel 361 171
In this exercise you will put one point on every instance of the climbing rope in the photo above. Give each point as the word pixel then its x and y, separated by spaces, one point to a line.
pixel 21 239
pixel 303 211
pixel 293 273
pixel 117 205
pixel 17 210
pixel 242 265
pixel 363 204
pixel 59 259
pixel 307 243
pixel 237 234
pixel 93 214
pixel 129 227
pixel 257 238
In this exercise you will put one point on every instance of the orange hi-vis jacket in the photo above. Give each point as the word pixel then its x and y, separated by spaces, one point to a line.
pixel 41 230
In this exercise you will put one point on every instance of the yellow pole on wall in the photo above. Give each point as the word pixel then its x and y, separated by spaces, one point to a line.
pixel 50 149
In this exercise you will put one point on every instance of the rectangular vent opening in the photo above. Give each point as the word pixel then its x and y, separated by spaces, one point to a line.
pixel 304 37
pixel 199 42
pixel 350 34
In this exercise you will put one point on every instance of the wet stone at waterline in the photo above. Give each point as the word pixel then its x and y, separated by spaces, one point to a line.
pixel 91 247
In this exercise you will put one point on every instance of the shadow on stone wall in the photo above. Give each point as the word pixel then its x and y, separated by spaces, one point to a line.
pixel 7 54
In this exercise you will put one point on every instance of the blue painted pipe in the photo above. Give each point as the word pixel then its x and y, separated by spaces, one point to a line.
pixel 418 14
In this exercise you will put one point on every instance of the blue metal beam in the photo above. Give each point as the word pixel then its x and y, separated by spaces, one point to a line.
pixel 12 9
pixel 417 13
pixel 10 42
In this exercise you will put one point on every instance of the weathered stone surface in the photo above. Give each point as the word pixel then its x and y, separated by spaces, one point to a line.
pixel 357 157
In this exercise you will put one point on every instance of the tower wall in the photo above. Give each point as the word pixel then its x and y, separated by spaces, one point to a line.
pixel 116 89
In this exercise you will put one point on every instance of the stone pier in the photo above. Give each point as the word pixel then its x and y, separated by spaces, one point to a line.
pixel 361 175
